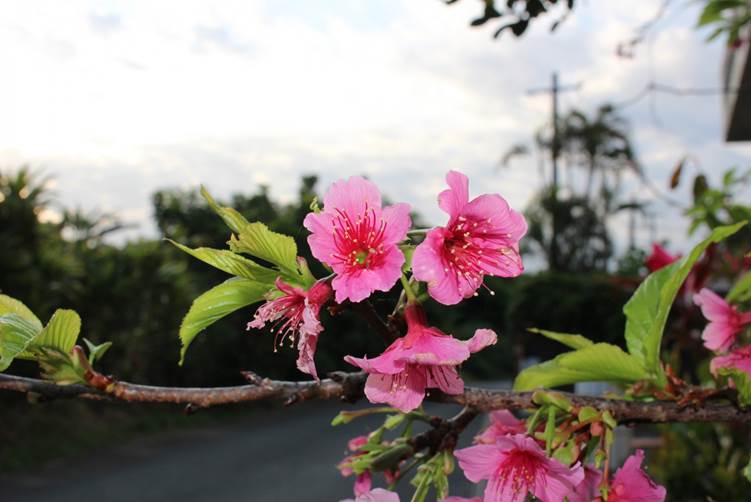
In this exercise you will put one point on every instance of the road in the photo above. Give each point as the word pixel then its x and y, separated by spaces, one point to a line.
pixel 273 455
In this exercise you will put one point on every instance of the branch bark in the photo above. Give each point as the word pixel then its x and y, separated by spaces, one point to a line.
pixel 349 387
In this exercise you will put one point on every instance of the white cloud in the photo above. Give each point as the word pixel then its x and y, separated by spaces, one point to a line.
pixel 120 98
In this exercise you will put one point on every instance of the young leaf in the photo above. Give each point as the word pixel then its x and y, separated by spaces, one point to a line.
pixel 234 220
pixel 568 339
pixel 10 305
pixel 742 383
pixel 741 292
pixel 257 240
pixel 96 352
pixel 16 333
pixel 601 362
pixel 216 303
pixel 647 310
pixel 60 333
pixel 232 263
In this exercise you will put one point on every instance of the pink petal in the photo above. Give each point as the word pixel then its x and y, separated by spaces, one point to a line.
pixel 429 266
pixel 631 483
pixel 503 490
pixel 739 358
pixel 453 200
pixel 719 336
pixel 404 391
pixel 389 362
pixel 588 488
pixel 479 462
pixel 713 307
pixel 445 378
pixel 398 221
pixel 320 240
pixel 307 341
pixel 481 339
pixel 557 482
pixel 360 284
pixel 352 196
pixel 363 483
pixel 379 495
pixel 508 226
pixel 434 347
pixel 461 499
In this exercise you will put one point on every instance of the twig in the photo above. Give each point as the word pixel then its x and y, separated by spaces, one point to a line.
pixel 349 386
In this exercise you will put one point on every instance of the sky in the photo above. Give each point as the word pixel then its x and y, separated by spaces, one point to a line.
pixel 117 99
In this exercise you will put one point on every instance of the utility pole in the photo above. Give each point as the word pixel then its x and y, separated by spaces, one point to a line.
pixel 555 148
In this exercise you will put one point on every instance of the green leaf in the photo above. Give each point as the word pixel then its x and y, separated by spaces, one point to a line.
pixel 257 240
pixel 233 219
pixel 741 292
pixel 16 333
pixel 568 339
pixel 61 331
pixel 747 471
pixel 216 303
pixel 712 13
pixel 232 263
pixel 10 305
pixel 742 383
pixel 647 310
pixel 96 352
pixel 600 362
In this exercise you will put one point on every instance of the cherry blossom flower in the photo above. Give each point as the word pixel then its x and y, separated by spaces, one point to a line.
pixel 659 258
pixel 294 315
pixel 631 483
pixel 502 423
pixel 358 239
pixel 515 466
pixel 481 238
pixel 724 320
pixel 739 359
pixel 376 495
pixel 588 489
pixel 424 358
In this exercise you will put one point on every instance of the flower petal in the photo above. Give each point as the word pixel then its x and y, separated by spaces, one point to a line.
pixel 453 200
pixel 404 391
pixel 478 462
pixel 397 221
pixel 482 338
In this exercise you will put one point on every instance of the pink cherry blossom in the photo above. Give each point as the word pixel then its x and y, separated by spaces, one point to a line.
pixel 502 423
pixel 376 495
pixel 424 358
pixel 294 315
pixel 739 359
pixel 358 239
pixel 481 238
pixel 514 466
pixel 588 489
pixel 659 258
pixel 631 483
pixel 461 499
pixel 724 320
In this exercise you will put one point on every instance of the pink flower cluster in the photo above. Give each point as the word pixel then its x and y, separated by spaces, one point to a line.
pixel 721 333
pixel 515 466
pixel 359 240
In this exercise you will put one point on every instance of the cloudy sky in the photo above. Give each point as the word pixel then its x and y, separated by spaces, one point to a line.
pixel 116 99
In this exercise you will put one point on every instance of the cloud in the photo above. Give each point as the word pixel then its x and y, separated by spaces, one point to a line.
pixel 238 93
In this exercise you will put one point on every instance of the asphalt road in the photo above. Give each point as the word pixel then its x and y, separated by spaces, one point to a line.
pixel 273 455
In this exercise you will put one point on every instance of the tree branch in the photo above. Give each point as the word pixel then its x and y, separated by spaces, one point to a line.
pixel 349 387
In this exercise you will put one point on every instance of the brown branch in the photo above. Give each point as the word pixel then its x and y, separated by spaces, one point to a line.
pixel 349 386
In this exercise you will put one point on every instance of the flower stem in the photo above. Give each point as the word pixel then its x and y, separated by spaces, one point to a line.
pixel 411 297
pixel 418 231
